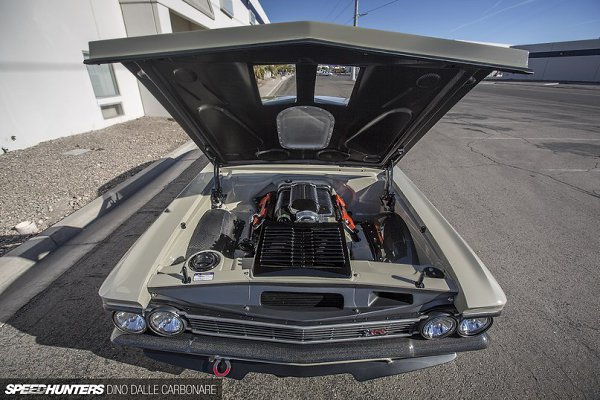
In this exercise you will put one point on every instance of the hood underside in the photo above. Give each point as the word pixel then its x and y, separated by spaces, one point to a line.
pixel 207 81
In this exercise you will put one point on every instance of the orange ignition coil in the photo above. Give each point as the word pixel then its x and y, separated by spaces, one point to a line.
pixel 263 207
pixel 348 221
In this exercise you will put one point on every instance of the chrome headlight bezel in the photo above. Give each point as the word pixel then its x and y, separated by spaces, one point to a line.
pixel 436 317
pixel 481 330
pixel 171 312
pixel 115 317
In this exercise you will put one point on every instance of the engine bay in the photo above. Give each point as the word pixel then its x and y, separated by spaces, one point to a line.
pixel 299 246
pixel 302 228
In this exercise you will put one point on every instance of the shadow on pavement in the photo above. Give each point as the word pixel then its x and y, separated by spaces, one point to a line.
pixel 121 178
pixel 580 149
pixel 9 242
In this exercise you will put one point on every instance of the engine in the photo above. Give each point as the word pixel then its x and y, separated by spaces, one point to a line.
pixel 303 228
pixel 304 202
pixel 298 230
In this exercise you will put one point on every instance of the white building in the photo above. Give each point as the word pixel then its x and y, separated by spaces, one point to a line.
pixel 47 92
pixel 576 61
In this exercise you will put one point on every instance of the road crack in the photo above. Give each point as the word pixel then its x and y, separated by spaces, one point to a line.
pixel 493 160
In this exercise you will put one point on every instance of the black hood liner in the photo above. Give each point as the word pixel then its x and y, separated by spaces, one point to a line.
pixel 396 99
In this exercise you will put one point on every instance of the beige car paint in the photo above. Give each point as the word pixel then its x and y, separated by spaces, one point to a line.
pixel 149 261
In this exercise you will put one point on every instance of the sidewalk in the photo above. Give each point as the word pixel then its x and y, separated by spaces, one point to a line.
pixel 268 86
pixel 51 180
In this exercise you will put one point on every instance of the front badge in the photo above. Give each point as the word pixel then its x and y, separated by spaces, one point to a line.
pixel 374 332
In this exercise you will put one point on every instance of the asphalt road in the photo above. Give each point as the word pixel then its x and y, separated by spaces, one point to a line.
pixel 335 85
pixel 515 169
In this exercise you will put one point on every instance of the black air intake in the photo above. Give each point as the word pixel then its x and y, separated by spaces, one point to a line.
pixel 302 249
pixel 302 300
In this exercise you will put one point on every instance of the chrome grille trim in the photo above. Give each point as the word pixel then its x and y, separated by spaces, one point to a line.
pixel 331 333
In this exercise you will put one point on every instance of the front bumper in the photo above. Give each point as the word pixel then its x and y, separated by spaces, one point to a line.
pixel 396 354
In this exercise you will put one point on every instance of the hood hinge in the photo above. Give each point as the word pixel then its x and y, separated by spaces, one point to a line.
pixel 388 199
pixel 216 194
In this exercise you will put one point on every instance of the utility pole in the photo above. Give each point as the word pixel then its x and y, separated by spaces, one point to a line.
pixel 355 24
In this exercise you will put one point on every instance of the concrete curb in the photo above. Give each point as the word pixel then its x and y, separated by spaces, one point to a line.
pixel 19 260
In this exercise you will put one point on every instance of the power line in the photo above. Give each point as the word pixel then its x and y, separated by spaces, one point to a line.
pixel 374 9
pixel 380 7
pixel 344 9
pixel 333 9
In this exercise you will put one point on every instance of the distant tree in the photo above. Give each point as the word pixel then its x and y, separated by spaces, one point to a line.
pixel 265 71
pixel 259 72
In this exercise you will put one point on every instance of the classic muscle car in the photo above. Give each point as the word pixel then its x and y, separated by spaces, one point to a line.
pixel 302 249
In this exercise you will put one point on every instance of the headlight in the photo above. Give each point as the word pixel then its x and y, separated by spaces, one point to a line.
pixel 474 326
pixel 438 326
pixel 166 323
pixel 129 322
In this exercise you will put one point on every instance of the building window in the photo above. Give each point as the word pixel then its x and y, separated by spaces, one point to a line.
pixel 111 110
pixel 103 79
pixel 252 18
pixel 227 7
pixel 203 6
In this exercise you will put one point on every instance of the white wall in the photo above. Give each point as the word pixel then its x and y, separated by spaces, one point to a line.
pixel 45 90
pixel 564 68
pixel 149 17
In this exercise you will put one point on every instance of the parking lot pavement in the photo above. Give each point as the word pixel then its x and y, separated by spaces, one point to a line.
pixel 516 171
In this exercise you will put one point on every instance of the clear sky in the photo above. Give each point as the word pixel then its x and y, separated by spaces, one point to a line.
pixel 499 21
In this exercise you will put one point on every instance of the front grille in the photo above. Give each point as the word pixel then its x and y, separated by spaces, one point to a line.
pixel 302 249
pixel 301 334
pixel 302 300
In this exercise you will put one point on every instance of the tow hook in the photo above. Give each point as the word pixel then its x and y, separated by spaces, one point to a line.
pixel 221 367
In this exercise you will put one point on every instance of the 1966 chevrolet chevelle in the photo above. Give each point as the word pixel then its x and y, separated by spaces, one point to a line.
pixel 303 249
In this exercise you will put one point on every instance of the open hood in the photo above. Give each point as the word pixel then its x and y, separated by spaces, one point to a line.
pixel 405 84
